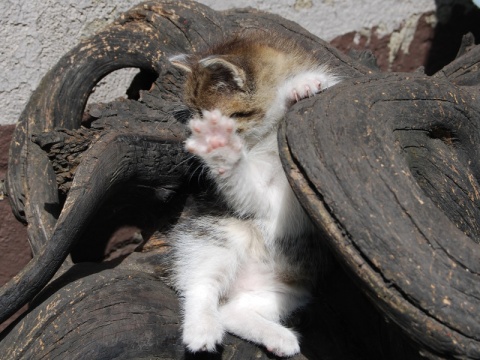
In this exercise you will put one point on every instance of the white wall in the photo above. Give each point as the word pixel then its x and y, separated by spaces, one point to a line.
pixel 36 33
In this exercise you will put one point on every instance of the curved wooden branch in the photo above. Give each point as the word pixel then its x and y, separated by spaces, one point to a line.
pixel 143 159
pixel 59 101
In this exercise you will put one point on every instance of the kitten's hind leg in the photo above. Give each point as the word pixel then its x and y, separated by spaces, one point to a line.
pixel 202 277
pixel 206 258
pixel 255 316
pixel 202 328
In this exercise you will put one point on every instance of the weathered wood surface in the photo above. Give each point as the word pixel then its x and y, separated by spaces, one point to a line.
pixel 388 167
pixel 137 143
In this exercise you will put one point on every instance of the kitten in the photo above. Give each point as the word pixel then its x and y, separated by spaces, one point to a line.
pixel 246 271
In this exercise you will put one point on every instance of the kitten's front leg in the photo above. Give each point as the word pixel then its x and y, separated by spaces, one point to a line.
pixel 214 140
pixel 306 84
pixel 236 173
pixel 298 87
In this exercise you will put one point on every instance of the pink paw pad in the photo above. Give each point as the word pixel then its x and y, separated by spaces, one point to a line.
pixel 212 132
pixel 214 139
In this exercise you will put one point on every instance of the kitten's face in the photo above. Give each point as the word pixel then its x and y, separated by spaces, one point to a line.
pixel 241 78
pixel 223 83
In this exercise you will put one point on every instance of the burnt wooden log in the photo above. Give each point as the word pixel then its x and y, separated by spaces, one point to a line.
pixel 343 174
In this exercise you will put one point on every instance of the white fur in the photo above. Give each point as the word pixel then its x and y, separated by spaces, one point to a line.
pixel 230 270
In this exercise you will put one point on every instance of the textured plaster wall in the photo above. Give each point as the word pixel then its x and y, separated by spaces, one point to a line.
pixel 330 18
pixel 36 33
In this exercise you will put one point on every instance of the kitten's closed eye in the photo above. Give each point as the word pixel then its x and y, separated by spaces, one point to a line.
pixel 242 114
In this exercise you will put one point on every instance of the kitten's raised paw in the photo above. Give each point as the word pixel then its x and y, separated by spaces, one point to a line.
pixel 214 139
pixel 202 335
pixel 212 132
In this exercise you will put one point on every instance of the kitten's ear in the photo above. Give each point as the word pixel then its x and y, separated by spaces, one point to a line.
pixel 182 62
pixel 224 67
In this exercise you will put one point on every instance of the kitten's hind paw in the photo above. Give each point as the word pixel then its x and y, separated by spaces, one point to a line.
pixel 203 335
pixel 283 344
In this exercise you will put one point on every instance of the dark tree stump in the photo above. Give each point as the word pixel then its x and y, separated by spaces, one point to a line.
pixel 359 156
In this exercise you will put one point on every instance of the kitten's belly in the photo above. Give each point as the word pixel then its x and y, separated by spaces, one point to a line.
pixel 255 276
pixel 260 286
pixel 258 276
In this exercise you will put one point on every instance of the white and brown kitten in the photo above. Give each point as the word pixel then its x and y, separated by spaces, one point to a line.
pixel 246 271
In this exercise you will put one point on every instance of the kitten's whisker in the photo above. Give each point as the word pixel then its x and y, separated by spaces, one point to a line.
pixel 188 158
